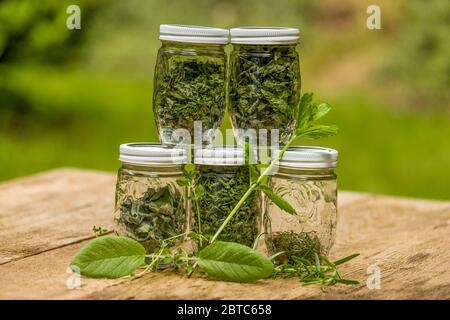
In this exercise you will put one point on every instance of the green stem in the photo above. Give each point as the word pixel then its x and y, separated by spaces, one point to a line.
pixel 251 189
pixel 199 221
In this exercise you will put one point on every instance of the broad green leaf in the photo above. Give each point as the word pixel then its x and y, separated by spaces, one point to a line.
pixel 183 181
pixel 189 167
pixel 318 131
pixel 109 257
pixel 304 110
pixel 322 109
pixel 254 173
pixel 199 191
pixel 278 200
pixel 230 261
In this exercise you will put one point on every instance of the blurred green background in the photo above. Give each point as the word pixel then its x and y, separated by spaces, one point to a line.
pixel 70 97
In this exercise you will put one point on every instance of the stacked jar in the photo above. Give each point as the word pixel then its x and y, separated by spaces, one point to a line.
pixel 190 83
pixel 264 82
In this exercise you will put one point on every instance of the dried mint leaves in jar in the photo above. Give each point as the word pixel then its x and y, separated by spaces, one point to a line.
pixel 222 188
pixel 189 89
pixel 264 88
pixel 156 215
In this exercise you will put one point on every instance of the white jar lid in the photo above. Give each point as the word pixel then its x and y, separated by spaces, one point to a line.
pixel 309 158
pixel 220 156
pixel 146 153
pixel 195 34
pixel 264 35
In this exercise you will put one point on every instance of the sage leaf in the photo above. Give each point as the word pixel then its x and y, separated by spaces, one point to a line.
pixel 109 257
pixel 278 200
pixel 230 261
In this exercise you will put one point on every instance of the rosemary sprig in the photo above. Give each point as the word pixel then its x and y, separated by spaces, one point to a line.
pixel 321 271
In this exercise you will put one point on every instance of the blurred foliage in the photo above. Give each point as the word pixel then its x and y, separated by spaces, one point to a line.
pixel 422 58
pixel 70 97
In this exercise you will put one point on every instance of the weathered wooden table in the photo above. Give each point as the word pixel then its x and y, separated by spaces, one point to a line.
pixel 46 218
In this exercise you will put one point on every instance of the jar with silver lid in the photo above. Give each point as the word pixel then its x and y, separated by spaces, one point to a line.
pixel 306 179
pixel 149 204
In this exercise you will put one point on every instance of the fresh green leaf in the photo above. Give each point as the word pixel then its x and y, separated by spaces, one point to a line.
pixel 183 181
pixel 347 281
pixel 344 260
pixel 278 200
pixel 322 109
pixel 318 131
pixel 189 167
pixel 229 261
pixel 109 257
pixel 303 116
pixel 308 114
pixel 317 262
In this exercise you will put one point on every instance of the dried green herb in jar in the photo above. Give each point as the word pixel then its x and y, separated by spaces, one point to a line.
pixel 264 81
pixel 189 82
pixel 158 214
pixel 302 245
pixel 222 188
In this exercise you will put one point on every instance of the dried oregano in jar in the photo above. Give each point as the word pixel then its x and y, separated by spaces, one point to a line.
pixel 150 206
pixel 306 180
pixel 189 83
pixel 264 80
pixel 222 180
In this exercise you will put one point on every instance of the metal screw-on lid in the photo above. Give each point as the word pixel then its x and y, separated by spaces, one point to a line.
pixel 146 153
pixel 220 156
pixel 309 158
pixel 264 35
pixel 195 34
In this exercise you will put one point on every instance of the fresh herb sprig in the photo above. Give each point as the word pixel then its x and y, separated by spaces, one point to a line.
pixel 306 128
pixel 320 271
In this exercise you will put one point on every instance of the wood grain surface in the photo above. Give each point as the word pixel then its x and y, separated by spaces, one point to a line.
pixel 46 218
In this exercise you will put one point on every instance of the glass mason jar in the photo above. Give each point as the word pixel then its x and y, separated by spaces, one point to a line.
pixel 150 206
pixel 222 179
pixel 189 83
pixel 306 179
pixel 264 82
